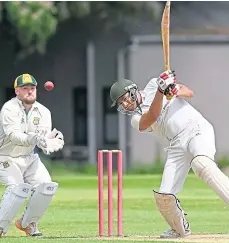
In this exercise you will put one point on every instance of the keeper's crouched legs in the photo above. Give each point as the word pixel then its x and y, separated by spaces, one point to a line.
pixel 38 203
pixel 12 201
pixel 36 207
pixel 170 209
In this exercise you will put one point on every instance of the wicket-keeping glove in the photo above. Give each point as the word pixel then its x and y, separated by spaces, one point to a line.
pixel 48 145
pixel 58 141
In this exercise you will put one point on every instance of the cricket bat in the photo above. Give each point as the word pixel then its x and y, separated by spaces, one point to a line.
pixel 165 26
pixel 165 33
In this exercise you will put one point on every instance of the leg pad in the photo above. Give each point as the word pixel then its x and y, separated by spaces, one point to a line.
pixel 169 207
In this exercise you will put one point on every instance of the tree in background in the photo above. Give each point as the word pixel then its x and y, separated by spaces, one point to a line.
pixel 32 24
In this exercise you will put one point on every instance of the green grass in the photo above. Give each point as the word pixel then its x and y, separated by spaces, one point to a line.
pixel 73 213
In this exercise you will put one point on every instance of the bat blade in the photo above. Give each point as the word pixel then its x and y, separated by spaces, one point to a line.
pixel 165 32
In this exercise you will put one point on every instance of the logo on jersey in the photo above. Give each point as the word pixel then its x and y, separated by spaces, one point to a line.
pixel 26 190
pixel 36 120
pixel 50 188
pixel 5 164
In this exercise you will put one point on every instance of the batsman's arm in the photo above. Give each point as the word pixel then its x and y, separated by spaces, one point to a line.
pixel 149 117
pixel 184 92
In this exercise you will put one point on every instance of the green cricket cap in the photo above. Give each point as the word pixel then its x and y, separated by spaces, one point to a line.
pixel 25 79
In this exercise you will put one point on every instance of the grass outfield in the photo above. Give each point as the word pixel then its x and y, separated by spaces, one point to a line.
pixel 73 213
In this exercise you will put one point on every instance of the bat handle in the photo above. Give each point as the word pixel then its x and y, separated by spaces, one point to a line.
pixel 167 67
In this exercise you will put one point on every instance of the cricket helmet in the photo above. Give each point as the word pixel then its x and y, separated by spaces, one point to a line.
pixel 119 88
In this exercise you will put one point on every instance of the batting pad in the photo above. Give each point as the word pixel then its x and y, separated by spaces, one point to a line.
pixel 12 201
pixel 170 209
pixel 38 203
pixel 208 171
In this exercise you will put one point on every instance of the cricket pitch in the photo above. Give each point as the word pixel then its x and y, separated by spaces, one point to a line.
pixel 197 238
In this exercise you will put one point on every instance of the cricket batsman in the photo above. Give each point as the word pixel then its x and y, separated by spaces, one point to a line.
pixel 24 124
pixel 161 108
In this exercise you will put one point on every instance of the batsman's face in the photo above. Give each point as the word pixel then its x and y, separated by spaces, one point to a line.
pixel 27 94
pixel 127 102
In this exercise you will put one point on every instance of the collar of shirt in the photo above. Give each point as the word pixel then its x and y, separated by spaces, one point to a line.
pixel 143 95
pixel 34 105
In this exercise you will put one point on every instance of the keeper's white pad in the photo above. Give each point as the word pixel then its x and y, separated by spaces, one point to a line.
pixel 208 171
pixel 170 209
pixel 12 201
pixel 38 203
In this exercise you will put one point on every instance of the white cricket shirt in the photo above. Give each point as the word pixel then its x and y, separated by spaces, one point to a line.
pixel 15 124
pixel 175 115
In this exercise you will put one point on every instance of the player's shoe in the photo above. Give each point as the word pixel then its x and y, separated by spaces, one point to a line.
pixel 172 234
pixel 31 230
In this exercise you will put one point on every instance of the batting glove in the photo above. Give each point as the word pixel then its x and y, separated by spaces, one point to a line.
pixel 171 91
pixel 165 79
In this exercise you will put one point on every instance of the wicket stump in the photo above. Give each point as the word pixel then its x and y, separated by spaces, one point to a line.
pixel 110 191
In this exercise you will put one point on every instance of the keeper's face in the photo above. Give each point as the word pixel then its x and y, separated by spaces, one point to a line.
pixel 27 94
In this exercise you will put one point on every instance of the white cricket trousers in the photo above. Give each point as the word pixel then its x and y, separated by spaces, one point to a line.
pixel 25 169
pixel 196 139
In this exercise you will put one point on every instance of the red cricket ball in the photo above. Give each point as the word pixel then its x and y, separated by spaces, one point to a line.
pixel 49 85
